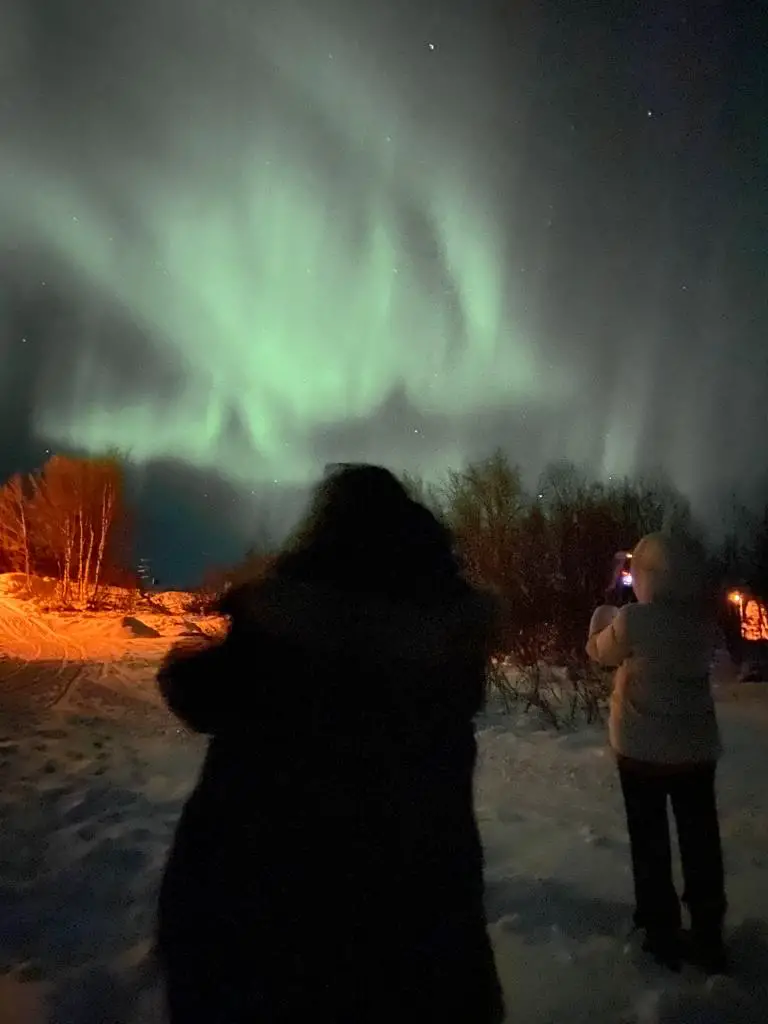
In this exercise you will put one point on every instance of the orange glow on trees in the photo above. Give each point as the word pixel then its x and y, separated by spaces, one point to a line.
pixel 754 620
pixel 68 520
pixel 15 540
pixel 753 615
pixel 76 506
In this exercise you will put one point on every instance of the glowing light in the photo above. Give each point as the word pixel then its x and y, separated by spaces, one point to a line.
pixel 735 597
pixel 259 264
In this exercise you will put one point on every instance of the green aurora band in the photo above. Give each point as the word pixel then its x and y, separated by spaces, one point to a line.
pixel 295 273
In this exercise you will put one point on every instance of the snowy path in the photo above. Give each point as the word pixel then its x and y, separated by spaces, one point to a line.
pixel 27 636
pixel 117 689
pixel 38 665
pixel 27 644
pixel 87 807
pixel 78 663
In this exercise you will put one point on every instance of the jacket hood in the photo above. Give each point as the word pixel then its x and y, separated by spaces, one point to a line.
pixel 336 621
pixel 668 568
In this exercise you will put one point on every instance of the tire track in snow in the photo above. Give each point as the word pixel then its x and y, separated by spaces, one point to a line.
pixel 36 662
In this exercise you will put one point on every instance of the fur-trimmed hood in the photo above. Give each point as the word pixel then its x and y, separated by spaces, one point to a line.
pixel 334 621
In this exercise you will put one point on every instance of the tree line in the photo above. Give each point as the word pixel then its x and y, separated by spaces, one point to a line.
pixel 69 520
pixel 547 550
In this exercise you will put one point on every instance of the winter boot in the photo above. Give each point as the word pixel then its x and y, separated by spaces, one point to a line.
pixel 705 947
pixel 665 948
pixel 706 950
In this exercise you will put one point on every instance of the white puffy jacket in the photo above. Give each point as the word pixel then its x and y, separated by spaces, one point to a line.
pixel 662 709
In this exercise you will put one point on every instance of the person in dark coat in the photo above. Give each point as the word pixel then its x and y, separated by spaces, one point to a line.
pixel 327 866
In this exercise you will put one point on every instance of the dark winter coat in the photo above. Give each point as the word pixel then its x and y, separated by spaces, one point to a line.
pixel 328 862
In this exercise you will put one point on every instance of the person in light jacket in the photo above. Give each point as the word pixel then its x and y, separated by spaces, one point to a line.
pixel 664 732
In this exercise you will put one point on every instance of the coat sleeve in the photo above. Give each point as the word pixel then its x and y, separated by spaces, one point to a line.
pixel 194 681
pixel 610 646
pixel 602 616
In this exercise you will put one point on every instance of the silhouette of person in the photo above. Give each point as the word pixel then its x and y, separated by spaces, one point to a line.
pixel 328 865
pixel 664 732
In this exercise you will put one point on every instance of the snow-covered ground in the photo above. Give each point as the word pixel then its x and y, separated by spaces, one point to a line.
pixel 80 660
pixel 91 787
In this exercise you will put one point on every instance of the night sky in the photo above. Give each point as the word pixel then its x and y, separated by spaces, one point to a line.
pixel 241 239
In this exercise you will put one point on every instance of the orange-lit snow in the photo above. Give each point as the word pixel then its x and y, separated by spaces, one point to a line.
pixel 29 629
pixel 75 660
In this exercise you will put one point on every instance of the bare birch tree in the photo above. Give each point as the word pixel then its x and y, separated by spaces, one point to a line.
pixel 14 526
pixel 77 508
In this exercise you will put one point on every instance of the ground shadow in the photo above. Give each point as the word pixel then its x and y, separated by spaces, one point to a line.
pixel 33 686
pixel 532 908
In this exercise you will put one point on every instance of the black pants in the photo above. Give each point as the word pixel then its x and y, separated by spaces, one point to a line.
pixel 692 794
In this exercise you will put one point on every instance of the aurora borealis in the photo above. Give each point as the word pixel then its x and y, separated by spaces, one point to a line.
pixel 283 233
pixel 281 270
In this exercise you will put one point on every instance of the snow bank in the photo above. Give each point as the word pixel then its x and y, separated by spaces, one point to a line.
pixel 174 602
pixel 37 588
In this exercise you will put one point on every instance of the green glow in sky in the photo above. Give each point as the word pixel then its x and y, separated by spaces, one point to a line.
pixel 296 271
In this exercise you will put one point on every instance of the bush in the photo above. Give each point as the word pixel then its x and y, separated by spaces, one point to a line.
pixel 564 698
pixel 548 554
